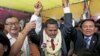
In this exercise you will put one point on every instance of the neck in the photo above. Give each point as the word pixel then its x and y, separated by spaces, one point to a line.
pixel 88 36
pixel 14 35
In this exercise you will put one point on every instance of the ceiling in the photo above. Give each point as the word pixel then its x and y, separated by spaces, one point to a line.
pixel 51 8
pixel 27 5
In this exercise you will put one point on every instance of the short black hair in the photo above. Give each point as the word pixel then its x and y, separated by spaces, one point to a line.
pixel 82 22
pixel 98 24
pixel 1 26
pixel 10 16
pixel 51 21
pixel 5 42
pixel 62 18
pixel 78 24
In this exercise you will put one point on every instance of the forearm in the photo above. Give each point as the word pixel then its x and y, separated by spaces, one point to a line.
pixel 67 15
pixel 67 19
pixel 38 22
pixel 16 47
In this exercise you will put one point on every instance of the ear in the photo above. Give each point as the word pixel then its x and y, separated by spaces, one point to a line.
pixel 80 29
pixel 96 29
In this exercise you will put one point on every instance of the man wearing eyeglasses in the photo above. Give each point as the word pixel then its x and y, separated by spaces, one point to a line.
pixel 13 28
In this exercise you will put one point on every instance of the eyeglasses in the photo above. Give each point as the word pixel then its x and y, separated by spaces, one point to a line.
pixel 11 24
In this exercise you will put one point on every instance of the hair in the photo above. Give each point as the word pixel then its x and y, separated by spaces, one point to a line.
pixel 1 26
pixel 10 16
pixel 98 24
pixel 4 41
pixel 62 18
pixel 78 24
pixel 82 22
pixel 50 21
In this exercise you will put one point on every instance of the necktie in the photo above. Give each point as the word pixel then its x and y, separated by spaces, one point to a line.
pixel 87 40
pixel 52 44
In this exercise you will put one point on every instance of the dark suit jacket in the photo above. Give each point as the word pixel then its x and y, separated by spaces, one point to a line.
pixel 79 43
pixel 78 38
pixel 64 33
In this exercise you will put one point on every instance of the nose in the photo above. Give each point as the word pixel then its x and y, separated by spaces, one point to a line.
pixel 53 32
pixel 13 25
pixel 88 27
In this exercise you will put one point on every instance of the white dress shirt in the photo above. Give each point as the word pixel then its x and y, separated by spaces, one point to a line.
pixel 38 23
pixel 89 39
pixel 25 46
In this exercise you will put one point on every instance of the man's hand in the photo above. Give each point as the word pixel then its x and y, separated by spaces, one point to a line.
pixel 29 26
pixel 37 8
pixel 65 3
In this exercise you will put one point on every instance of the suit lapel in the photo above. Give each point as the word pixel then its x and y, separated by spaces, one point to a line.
pixel 80 43
pixel 93 42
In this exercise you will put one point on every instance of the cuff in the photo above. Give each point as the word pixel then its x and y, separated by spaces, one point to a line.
pixel 66 10
pixel 34 17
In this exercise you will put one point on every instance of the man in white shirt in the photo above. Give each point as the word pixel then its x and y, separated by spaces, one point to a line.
pixel 17 41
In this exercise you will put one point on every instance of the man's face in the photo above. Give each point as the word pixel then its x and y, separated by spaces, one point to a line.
pixel 88 28
pixel 51 30
pixel 12 25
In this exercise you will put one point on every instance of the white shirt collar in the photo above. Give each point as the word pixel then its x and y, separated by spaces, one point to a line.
pixel 9 36
pixel 90 37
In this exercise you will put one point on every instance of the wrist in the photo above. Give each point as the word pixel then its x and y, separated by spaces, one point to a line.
pixel 37 13
pixel 24 31
pixel 66 10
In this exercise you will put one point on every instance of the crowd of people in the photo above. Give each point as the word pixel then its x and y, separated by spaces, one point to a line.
pixel 51 39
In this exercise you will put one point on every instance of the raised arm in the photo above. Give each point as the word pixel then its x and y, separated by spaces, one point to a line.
pixel 35 40
pixel 16 47
pixel 67 18
pixel 35 17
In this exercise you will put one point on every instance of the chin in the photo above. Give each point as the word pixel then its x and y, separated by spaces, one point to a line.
pixel 88 35
pixel 14 32
pixel 52 37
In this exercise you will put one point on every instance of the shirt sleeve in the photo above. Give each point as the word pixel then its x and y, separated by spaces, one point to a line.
pixel 38 22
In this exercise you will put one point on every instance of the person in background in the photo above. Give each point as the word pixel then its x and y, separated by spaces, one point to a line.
pixel 4 42
pixel 61 23
pixel 98 25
